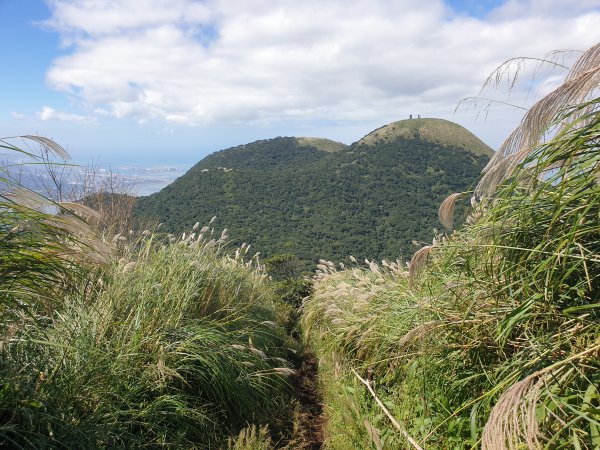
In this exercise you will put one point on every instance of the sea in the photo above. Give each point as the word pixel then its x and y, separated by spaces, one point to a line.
pixel 146 180
pixel 74 179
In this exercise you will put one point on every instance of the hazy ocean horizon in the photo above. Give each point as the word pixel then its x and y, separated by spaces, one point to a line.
pixel 151 178
pixel 131 178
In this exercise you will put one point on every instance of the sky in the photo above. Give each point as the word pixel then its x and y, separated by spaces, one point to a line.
pixel 170 81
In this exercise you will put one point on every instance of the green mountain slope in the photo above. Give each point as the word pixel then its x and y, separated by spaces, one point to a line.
pixel 320 199
pixel 439 131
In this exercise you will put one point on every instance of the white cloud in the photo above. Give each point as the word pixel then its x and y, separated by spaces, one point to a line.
pixel 48 114
pixel 18 115
pixel 191 62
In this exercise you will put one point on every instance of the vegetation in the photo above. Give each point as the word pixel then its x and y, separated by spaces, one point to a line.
pixel 155 341
pixel 438 131
pixel 286 196
pixel 490 337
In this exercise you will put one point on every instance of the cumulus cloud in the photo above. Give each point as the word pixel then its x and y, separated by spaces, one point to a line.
pixel 47 114
pixel 198 62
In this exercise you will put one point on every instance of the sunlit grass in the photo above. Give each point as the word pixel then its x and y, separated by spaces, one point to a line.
pixel 164 341
pixel 491 339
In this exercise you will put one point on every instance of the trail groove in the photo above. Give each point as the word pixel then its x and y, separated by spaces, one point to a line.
pixel 309 422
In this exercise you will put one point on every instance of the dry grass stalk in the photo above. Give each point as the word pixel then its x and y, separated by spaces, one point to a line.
pixel 446 211
pixel 419 332
pixel 373 434
pixel 512 421
pixel 582 81
pixel 284 371
pixel 49 144
pixel 495 175
pixel 513 418
pixel 395 267
pixel 515 65
pixel 129 267
pixel 81 210
pixel 29 199
pixel 85 245
pixel 588 60
pixel 408 437
pixel 417 263
pixel 251 437
pixel 374 267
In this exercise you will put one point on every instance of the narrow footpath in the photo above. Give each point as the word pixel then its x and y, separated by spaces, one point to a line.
pixel 308 433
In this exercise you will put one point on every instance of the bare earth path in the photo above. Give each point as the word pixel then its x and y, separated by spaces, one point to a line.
pixel 309 421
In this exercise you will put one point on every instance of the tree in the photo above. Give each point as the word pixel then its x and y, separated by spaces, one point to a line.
pixel 283 267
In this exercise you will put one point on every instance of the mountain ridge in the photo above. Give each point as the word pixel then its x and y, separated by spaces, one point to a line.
pixel 289 194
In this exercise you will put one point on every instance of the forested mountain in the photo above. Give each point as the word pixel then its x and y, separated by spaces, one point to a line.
pixel 321 199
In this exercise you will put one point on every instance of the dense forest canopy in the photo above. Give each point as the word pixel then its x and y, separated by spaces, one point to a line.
pixel 371 199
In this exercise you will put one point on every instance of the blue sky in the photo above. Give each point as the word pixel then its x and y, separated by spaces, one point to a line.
pixel 147 81
pixel 474 8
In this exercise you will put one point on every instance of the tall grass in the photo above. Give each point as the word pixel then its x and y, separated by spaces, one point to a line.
pixel 36 249
pixel 174 345
pixel 492 339
pixel 164 342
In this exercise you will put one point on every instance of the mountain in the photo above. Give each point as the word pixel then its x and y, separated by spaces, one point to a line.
pixel 439 131
pixel 318 198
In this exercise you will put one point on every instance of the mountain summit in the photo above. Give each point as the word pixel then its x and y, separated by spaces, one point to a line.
pixel 438 131
pixel 318 198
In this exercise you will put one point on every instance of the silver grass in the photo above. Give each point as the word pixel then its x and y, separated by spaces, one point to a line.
pixel 580 84
pixel 513 421
pixel 29 199
pixel 129 267
pixel 258 352
pixel 419 332
pixel 446 210
pixel 284 371
pixel 50 145
pixel 81 210
pixel 417 263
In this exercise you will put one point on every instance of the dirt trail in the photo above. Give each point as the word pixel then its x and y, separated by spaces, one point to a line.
pixel 309 420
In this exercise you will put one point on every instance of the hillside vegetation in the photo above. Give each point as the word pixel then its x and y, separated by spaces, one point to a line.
pixel 438 131
pixel 320 199
pixel 490 338
pixel 132 341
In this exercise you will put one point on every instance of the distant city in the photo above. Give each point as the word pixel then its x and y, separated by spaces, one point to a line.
pixel 147 180
pixel 132 179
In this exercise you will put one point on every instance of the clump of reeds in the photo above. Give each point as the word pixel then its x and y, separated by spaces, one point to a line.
pixel 579 87
pixel 182 348
pixel 40 241
pixel 251 438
